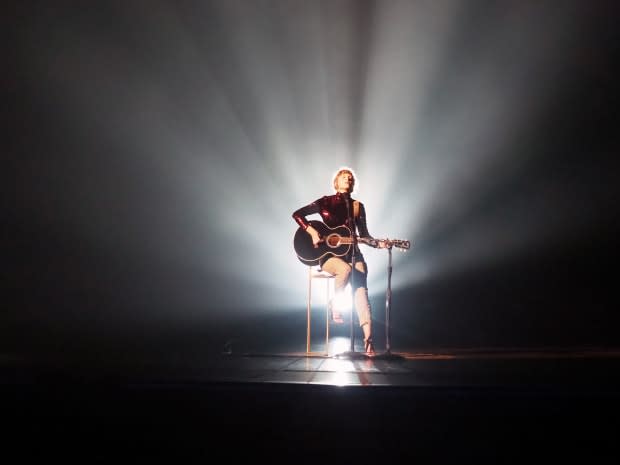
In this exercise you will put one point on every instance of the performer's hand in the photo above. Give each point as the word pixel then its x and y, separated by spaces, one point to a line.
pixel 316 238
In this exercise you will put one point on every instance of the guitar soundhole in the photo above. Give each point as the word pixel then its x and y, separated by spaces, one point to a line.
pixel 333 240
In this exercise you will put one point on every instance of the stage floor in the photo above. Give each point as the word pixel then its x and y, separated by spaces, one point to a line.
pixel 517 368
pixel 589 367
pixel 434 406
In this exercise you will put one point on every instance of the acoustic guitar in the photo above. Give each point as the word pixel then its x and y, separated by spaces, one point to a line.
pixel 335 242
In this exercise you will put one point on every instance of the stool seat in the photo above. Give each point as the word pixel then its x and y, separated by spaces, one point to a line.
pixel 319 273
pixel 315 272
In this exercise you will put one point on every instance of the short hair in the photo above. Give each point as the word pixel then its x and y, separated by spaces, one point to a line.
pixel 344 169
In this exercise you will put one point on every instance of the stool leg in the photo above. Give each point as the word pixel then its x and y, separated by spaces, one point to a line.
pixel 328 295
pixel 308 305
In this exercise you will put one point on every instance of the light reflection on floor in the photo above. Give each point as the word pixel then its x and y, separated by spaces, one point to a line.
pixel 473 368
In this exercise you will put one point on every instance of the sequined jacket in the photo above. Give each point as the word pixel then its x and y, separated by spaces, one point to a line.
pixel 334 212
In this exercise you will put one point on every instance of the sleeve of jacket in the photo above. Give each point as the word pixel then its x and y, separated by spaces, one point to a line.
pixel 362 227
pixel 300 214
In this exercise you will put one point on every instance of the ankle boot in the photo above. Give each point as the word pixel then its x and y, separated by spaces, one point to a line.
pixel 369 348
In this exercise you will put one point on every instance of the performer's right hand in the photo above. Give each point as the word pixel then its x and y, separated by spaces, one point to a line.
pixel 316 238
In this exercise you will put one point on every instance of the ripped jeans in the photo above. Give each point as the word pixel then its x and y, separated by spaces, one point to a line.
pixel 342 272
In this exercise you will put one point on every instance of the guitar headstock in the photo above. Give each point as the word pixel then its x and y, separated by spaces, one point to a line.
pixel 398 243
pixel 385 243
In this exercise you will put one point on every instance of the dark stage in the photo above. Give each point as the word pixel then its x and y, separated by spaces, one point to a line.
pixel 491 406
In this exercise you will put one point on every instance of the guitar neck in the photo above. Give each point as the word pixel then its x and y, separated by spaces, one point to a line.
pixel 360 240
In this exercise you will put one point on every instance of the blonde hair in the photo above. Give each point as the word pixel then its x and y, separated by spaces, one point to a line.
pixel 344 169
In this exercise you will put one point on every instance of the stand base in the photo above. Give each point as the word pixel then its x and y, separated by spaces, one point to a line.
pixel 388 356
pixel 349 355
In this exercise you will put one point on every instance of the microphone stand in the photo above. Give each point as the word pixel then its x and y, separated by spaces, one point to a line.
pixel 388 301
pixel 351 353
pixel 353 253
pixel 388 355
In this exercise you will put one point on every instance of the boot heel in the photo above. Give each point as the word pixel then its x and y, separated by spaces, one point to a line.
pixel 369 348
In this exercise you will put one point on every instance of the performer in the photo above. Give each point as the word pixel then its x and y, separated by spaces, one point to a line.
pixel 337 210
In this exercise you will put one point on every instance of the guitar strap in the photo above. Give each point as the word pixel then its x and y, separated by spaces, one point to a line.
pixel 356 209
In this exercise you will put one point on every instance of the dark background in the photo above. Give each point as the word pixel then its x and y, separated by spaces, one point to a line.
pixel 152 150
pixel 101 243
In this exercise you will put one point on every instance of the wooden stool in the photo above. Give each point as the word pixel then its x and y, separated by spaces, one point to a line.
pixel 315 272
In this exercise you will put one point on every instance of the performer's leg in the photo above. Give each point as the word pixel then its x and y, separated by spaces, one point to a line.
pixel 341 270
pixel 362 304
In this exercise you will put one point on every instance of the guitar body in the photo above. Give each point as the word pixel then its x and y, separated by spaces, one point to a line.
pixel 335 242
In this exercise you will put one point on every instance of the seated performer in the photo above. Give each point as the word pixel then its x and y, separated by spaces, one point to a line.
pixel 337 210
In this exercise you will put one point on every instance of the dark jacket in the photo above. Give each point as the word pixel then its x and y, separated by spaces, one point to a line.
pixel 336 210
